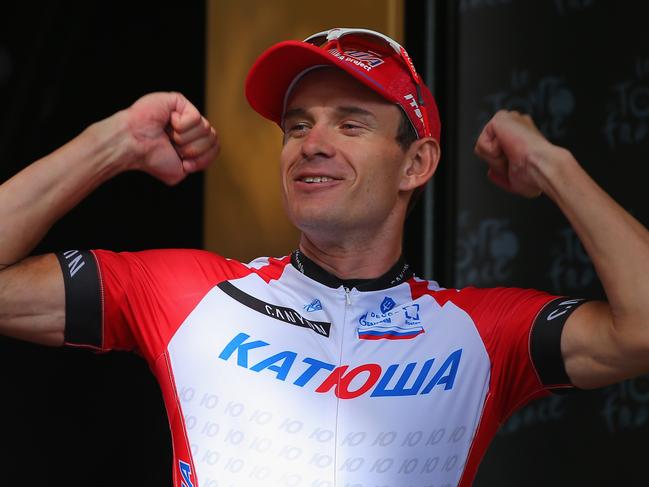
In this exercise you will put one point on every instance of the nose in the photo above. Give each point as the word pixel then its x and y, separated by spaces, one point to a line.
pixel 318 142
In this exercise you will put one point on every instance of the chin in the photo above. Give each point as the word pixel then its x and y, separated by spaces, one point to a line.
pixel 317 220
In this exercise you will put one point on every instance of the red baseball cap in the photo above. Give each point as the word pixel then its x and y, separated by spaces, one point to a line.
pixel 374 59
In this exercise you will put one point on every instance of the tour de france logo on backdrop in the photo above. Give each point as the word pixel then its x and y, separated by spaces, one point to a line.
pixel 626 405
pixel 548 100
pixel 485 251
pixel 627 118
pixel 571 271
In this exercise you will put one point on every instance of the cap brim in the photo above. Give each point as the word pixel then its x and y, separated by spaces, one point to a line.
pixel 276 68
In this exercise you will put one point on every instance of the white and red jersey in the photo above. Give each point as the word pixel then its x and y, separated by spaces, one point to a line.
pixel 276 373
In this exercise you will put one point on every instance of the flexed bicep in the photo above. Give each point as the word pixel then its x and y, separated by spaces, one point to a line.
pixel 32 301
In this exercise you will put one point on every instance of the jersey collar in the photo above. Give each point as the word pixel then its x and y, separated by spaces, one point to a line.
pixel 398 273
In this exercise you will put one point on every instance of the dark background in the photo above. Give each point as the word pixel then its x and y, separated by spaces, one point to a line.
pixel 579 67
pixel 72 417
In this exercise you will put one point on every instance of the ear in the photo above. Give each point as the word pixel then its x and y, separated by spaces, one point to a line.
pixel 420 164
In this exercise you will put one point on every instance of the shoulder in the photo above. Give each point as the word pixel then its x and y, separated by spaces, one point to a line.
pixel 180 264
pixel 483 302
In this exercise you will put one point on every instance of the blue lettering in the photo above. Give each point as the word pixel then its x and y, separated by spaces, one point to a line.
pixel 242 350
pixel 314 366
pixel 287 358
pixel 453 361
pixel 185 473
pixel 281 363
pixel 400 389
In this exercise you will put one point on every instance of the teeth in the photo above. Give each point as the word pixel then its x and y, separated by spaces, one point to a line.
pixel 316 179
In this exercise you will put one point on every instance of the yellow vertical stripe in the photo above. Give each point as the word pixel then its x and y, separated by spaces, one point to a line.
pixel 244 217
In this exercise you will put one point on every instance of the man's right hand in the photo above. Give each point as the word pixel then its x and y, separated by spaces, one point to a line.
pixel 162 134
pixel 171 137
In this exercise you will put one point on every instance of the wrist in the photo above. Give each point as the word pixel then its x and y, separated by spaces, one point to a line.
pixel 550 168
pixel 113 145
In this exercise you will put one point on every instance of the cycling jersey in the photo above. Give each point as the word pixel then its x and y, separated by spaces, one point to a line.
pixel 276 373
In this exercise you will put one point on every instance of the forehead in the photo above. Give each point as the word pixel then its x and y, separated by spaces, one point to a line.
pixel 331 87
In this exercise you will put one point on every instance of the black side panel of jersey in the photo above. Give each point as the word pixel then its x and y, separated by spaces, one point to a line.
pixel 83 309
pixel 545 343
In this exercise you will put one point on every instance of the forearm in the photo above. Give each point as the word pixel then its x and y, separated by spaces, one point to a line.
pixel 616 242
pixel 35 198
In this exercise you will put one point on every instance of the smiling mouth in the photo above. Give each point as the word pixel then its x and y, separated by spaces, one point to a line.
pixel 316 179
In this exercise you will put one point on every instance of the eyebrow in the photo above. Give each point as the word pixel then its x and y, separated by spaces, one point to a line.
pixel 342 110
pixel 352 110
pixel 295 112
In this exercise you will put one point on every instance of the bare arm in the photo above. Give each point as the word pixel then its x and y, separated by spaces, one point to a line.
pixel 162 134
pixel 601 343
pixel 32 301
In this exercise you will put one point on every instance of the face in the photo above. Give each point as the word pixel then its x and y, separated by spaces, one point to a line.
pixel 340 164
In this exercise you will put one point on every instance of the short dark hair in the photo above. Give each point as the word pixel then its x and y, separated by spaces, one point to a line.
pixel 406 135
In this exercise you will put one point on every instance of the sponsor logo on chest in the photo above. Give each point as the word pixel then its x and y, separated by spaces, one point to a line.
pixel 390 322
pixel 280 313
pixel 434 374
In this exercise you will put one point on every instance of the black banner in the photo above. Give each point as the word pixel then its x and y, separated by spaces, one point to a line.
pixel 281 313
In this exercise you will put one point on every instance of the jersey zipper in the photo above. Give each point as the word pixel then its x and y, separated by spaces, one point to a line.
pixel 348 298
pixel 347 311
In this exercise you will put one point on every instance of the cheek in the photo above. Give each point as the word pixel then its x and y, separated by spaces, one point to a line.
pixel 385 170
pixel 284 157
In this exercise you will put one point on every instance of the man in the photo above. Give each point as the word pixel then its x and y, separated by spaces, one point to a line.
pixel 334 365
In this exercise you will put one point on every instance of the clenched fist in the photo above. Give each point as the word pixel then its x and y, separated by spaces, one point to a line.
pixel 514 149
pixel 171 137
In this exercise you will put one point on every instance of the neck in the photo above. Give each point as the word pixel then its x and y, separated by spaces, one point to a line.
pixel 349 260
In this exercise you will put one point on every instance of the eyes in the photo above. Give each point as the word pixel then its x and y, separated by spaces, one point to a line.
pixel 299 128
pixel 295 128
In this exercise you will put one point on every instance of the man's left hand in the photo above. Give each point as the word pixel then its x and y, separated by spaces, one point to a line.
pixel 513 147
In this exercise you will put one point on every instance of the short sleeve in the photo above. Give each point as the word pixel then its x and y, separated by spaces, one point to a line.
pixel 525 352
pixel 136 300
pixel 545 341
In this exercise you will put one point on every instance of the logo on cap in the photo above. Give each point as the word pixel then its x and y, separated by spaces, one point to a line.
pixel 413 103
pixel 365 59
